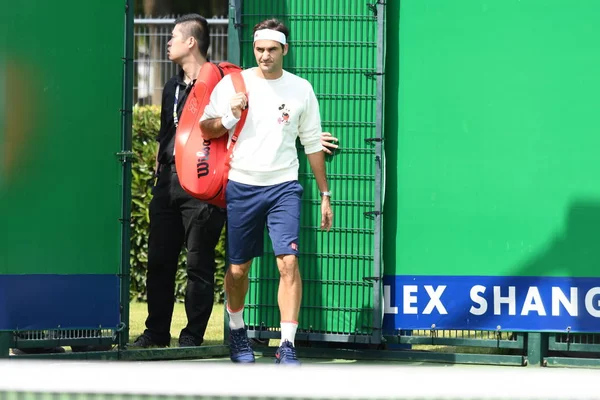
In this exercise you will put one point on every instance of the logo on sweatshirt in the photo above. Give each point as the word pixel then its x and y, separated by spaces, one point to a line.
pixel 285 115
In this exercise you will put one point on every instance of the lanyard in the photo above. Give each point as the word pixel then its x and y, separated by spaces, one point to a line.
pixel 175 118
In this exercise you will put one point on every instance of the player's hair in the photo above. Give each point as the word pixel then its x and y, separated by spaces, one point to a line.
pixel 274 24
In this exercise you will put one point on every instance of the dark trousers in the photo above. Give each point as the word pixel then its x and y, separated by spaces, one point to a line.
pixel 178 219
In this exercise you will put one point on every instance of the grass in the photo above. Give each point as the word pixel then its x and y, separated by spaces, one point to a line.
pixel 214 333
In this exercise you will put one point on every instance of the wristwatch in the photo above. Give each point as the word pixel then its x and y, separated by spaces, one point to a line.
pixel 328 194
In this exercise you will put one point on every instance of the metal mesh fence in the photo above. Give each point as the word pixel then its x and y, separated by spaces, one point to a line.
pixel 578 338
pixel 152 68
pixel 334 46
pixel 101 339
pixel 64 334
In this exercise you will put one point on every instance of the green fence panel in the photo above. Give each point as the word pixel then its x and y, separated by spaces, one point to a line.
pixel 493 203
pixel 334 45
pixel 60 177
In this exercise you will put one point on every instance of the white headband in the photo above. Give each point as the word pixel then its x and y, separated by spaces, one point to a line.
pixel 269 34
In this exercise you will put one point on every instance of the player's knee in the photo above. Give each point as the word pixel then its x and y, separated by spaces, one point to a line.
pixel 238 272
pixel 288 266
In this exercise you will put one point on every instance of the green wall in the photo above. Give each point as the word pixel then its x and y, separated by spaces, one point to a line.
pixel 492 138
pixel 60 193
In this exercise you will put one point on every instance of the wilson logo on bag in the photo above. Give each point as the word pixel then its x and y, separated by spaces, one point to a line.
pixel 203 164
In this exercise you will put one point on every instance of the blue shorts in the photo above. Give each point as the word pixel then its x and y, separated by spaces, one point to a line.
pixel 250 207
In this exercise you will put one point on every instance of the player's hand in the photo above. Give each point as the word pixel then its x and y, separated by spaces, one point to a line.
pixel 328 142
pixel 326 214
pixel 238 103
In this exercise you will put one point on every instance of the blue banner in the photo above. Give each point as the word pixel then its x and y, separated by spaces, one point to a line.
pixel 509 303
pixel 29 302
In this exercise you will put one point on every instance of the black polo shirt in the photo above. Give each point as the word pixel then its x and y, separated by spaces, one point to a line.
pixel 166 134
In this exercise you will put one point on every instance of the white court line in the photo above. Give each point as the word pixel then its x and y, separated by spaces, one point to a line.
pixel 323 381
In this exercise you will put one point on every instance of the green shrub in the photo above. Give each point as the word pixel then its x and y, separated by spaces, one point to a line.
pixel 146 123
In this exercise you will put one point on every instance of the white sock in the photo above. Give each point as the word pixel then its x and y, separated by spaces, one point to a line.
pixel 288 331
pixel 236 318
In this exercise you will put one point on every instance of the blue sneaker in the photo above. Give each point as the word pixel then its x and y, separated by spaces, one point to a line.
pixel 286 354
pixel 239 346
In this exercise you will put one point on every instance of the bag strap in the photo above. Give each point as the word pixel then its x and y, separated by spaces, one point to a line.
pixel 220 70
pixel 239 86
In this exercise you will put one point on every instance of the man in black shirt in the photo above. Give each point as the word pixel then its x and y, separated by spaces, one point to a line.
pixel 176 218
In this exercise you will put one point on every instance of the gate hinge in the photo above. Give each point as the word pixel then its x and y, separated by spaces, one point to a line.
pixel 125 156
pixel 372 74
pixel 373 7
pixel 371 278
pixel 372 214
pixel 375 139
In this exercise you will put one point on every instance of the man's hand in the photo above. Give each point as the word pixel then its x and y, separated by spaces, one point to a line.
pixel 238 103
pixel 326 214
pixel 329 142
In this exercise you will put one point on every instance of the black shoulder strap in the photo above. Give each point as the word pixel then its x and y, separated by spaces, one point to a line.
pixel 220 70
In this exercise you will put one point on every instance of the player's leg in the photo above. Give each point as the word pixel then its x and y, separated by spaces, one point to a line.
pixel 283 222
pixel 245 228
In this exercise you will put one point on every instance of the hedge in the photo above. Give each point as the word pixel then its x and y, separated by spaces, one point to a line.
pixel 146 122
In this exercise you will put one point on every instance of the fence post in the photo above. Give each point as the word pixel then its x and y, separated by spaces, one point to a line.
pixel 537 347
pixel 5 343
pixel 126 126
pixel 235 26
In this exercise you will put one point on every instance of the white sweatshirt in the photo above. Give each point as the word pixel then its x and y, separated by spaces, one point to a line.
pixel 279 111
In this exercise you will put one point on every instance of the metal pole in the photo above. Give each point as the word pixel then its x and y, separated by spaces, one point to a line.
pixel 378 270
pixel 234 32
pixel 126 127
pixel 233 56
pixel 171 21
